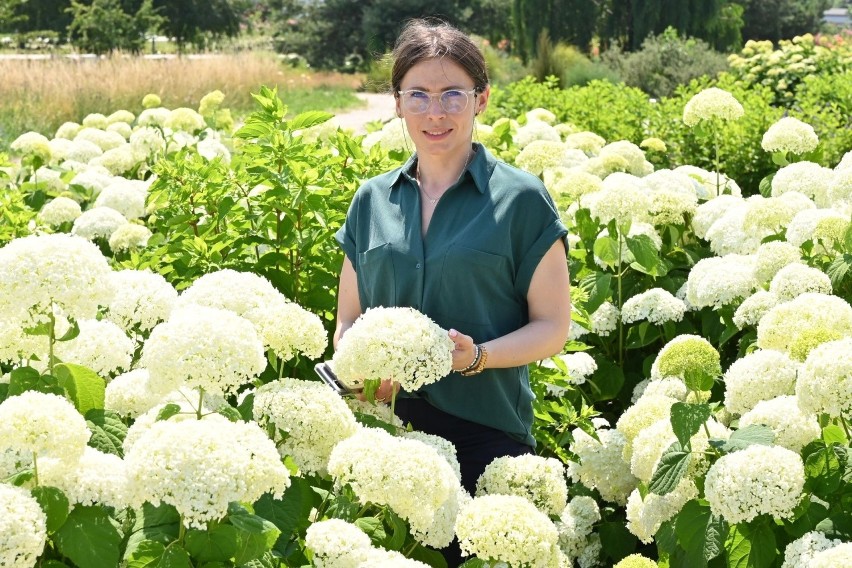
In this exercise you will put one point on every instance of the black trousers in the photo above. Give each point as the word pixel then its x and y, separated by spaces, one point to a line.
pixel 476 447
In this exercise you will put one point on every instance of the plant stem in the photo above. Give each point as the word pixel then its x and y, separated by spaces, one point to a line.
pixel 845 427
pixel 410 549
pixel 620 323
pixel 35 468
pixel 200 403
pixel 51 337
pixel 181 531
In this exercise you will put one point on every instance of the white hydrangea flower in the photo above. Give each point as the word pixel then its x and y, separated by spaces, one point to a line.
pixel 49 179
pixel 790 135
pixel 117 161
pixel 101 346
pixel 601 465
pixel 709 104
pixel 388 470
pixel 207 348
pixel 535 130
pixel 708 213
pixel 239 292
pixel 646 516
pixel 508 528
pixel 541 114
pixel 187 401
pixel 840 188
pixel 647 410
pixel 797 200
pixel 796 278
pixel 95 120
pixel 825 381
pixel 129 236
pixel 96 479
pixel 380 558
pixel 572 184
pixel 131 395
pixel 711 184
pixel 309 420
pixel 123 198
pixel 121 128
pixel 153 116
pixel 186 119
pixel 673 387
pixel 147 141
pixel 772 257
pixel 199 466
pixel 575 525
pixel 589 142
pixel 652 442
pixel 98 222
pixel 768 215
pixel 728 234
pixel 655 305
pixel 93 179
pixel 68 130
pixel 541 154
pixel 210 149
pixel 796 326
pixel 101 138
pixel 605 319
pixel 32 144
pixel 40 272
pixel 287 328
pixel 637 165
pixel 757 480
pixel 393 136
pixel 83 151
pixel 672 207
pixel 538 479
pixel 59 210
pixel 802 227
pixel 142 299
pixel 121 115
pixel 840 555
pixel 719 281
pixel 580 366
pixel 42 424
pixel 16 345
pixel 793 428
pixel 23 527
pixel 754 308
pixel 760 375
pixel 808 178
pixel 337 544
pixel 801 551
pixel 59 149
pixel 393 343
pixel 443 446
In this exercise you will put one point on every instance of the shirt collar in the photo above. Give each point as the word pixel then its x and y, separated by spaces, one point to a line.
pixel 480 168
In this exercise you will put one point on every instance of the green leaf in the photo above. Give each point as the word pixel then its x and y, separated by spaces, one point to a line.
pixel 837 526
pixel 218 544
pixel 84 387
pixel 434 558
pixel 374 529
pixel 168 411
pixel 697 379
pixel 607 380
pixel 292 512
pixel 700 533
pixel 254 525
pixel 159 524
pixel 808 515
pixel 399 531
pixel 108 431
pixel 606 249
pixel 72 332
pixel 25 379
pixel 55 505
pixel 308 119
pixel 229 412
pixel 175 557
pixel 616 540
pixel 765 185
pixel 838 269
pixel 670 470
pixel 599 287
pixel 824 468
pixel 147 554
pixel 687 420
pixel 88 538
pixel 371 386
pixel 644 251
pixel 750 546
pixel 834 434
pixel 748 436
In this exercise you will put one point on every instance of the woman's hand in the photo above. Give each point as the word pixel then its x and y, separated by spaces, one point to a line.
pixel 384 393
pixel 464 351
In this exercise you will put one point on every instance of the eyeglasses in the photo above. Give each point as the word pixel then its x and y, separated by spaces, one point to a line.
pixel 453 101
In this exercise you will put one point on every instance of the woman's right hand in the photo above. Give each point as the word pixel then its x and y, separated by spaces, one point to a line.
pixel 464 351
pixel 384 393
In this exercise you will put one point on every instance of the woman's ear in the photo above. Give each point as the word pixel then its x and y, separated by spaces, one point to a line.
pixel 482 99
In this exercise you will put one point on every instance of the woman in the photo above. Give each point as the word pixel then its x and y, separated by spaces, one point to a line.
pixel 473 243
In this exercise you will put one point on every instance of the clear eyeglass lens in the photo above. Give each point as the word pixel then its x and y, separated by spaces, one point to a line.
pixel 452 101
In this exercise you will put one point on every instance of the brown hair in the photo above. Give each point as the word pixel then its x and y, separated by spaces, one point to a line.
pixel 422 39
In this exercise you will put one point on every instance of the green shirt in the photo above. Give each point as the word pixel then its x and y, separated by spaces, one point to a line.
pixel 471 272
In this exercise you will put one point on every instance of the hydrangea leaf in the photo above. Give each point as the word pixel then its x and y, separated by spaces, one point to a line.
pixel 607 380
pixel 399 531
pixel 598 286
pixel 308 119
pixel 751 434
pixel 84 387
pixel 153 524
pixel 55 505
pixel 806 516
pixel 436 560
pixel 617 541
pixel 217 544
pixel 108 431
pixel 687 420
pixel 373 527
pixel 291 512
pixel 229 412
pixel 645 253
pixel 89 539
pixel 700 533
pixel 25 379
pixel 750 546
pixel 168 411
pixel 606 249
pixel 670 470
pixel 824 466
pixel 837 526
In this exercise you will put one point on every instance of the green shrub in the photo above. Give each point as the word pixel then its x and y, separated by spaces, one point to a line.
pixel 664 62
pixel 825 102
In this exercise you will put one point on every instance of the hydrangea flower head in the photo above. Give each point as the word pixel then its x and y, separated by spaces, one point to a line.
pixel 151 100
pixel 589 142
pixel 825 381
pixel 535 130
pixel 23 527
pixel 508 528
pixel 790 135
pixel 124 198
pixel 840 555
pixel 130 394
pixel 185 119
pixel 98 222
pixel 802 317
pixel 622 199
pixel 635 561
pixel 32 144
pixel 393 343
pixel 757 480
pixel 803 226
pixel 68 130
pixel 103 139
pixel 686 355
pixel 796 278
pixel 772 257
pixel 654 144
pixel 645 515
pixel 575 526
pixel 59 210
pixel 601 465
pixel 793 428
pixel 655 305
pixel 808 178
pixel 129 236
pixel 802 550
pixel 709 104
pixel 753 308
pixel 102 346
pixel 97 478
pixel 637 165
pixel 538 479
pixel 541 154
pixel 646 411
pixel 42 424
pixel 337 544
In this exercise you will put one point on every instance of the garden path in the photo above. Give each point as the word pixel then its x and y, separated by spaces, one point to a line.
pixel 380 106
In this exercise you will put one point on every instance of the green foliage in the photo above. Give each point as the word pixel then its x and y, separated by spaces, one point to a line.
pixel 781 19
pixel 824 101
pixel 103 26
pixel 567 64
pixel 664 62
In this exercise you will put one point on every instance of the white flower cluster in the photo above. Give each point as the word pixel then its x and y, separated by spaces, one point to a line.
pixel 393 343
pixel 97 478
pixel 508 528
pixel 23 527
pixel 623 198
pixel 646 515
pixel 42 424
pixel 683 354
pixel 142 299
pixel 708 213
pixel 539 155
pixel 207 348
pixel 199 466
pixel 580 366
pixel 808 178
pixel 38 273
pixel 825 380
pixel 98 222
pixel 655 305
pixel 645 412
pixel 790 135
pixel 760 375
pixel 720 281
pixel 575 527
pixel 59 210
pixel 803 226
pixel 668 386
pixel 601 465
pixel 801 551
pixel 840 555
pixel 605 319
pixel 709 104
pixel 772 257
pixel 124 198
pixel 388 470
pixel 754 308
pixel 539 480
pixel 796 279
pixel 310 417
pixel 101 346
pixel 808 318
pixel 793 428
pixel 129 236
pixel 130 394
pixel 755 481
pixel 32 144
pixel 337 544
pixel 443 446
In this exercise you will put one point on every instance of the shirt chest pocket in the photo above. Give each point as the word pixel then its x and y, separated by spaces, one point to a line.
pixel 475 285
pixel 376 277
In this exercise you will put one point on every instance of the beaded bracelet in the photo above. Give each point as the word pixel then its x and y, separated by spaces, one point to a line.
pixel 478 363
pixel 477 353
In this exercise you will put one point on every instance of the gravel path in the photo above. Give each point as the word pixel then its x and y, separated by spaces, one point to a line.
pixel 380 106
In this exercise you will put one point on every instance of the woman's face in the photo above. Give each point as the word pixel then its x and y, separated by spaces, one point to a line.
pixel 436 131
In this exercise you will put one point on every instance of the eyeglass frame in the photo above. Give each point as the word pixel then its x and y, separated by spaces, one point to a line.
pixel 467 92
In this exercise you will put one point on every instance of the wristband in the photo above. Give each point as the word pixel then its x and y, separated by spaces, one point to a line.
pixel 477 353
pixel 478 363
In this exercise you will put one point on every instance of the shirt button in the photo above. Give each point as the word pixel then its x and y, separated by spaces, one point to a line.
pixel 417 266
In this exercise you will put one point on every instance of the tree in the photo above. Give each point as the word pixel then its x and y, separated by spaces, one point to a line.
pixel 781 19
pixel 37 15
pixel 103 26
pixel 189 21
pixel 491 19
pixel 566 21
pixel 10 15
pixel 382 20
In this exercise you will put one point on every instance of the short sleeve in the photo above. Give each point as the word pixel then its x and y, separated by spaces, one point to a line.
pixel 541 227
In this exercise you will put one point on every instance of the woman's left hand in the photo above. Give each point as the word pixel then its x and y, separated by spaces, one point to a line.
pixel 464 350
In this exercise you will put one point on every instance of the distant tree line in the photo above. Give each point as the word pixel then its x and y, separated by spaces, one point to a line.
pixel 347 33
